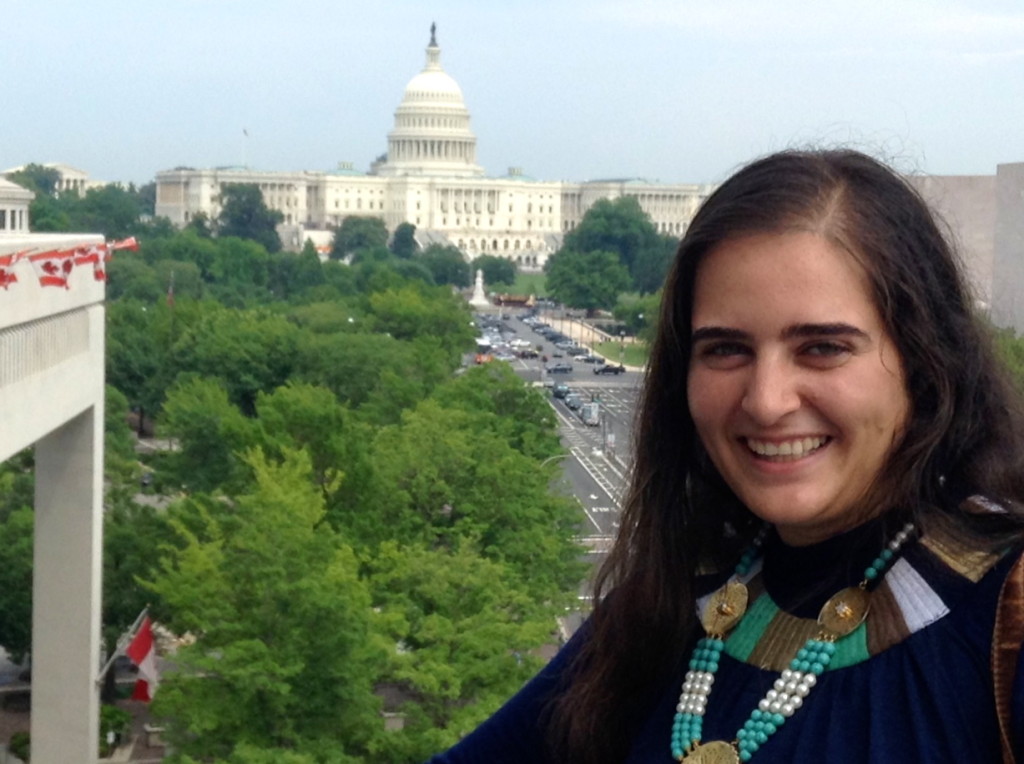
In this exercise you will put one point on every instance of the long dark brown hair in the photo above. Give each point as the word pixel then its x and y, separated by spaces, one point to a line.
pixel 963 436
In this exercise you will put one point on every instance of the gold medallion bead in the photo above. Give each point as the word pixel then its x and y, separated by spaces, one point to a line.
pixel 844 611
pixel 725 608
pixel 716 752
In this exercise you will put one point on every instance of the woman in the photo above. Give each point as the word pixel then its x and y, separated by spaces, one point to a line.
pixel 828 494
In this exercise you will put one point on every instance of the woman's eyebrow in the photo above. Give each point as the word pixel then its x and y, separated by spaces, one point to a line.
pixel 717 333
pixel 834 329
pixel 826 330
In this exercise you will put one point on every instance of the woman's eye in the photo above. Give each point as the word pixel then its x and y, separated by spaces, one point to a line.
pixel 826 349
pixel 724 350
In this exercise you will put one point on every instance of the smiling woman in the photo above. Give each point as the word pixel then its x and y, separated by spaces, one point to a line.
pixel 796 390
pixel 826 508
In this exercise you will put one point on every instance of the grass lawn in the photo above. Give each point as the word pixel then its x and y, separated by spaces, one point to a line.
pixel 527 283
pixel 635 354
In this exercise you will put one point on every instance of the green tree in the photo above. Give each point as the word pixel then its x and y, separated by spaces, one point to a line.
pixel 471 484
pixel 211 434
pixel 145 197
pixel 461 635
pixel 36 178
pixel 589 280
pixel 111 210
pixel 639 315
pixel 244 214
pixel 357 233
pixel 403 243
pixel 447 265
pixel 249 351
pixel 282 659
pixel 293 275
pixel 138 364
pixel 504 405
pixel 200 224
pixel 16 582
pixel 415 311
pixel 497 270
pixel 133 278
pixel 621 226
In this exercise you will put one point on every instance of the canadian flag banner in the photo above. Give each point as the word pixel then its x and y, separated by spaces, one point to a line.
pixel 142 653
pixel 129 243
pixel 97 254
pixel 53 267
pixel 7 274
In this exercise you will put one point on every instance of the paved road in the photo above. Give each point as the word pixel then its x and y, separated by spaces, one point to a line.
pixel 598 471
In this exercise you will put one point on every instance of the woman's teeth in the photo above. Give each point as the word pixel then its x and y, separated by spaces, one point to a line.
pixel 794 449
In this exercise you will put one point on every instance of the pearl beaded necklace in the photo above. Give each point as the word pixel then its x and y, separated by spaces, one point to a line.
pixel 839 617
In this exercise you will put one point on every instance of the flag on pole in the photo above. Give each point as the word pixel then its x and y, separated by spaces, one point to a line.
pixel 142 653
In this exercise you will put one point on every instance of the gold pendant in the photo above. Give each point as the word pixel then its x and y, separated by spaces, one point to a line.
pixel 845 611
pixel 725 608
pixel 715 752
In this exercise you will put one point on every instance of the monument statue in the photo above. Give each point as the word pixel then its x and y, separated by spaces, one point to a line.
pixel 479 298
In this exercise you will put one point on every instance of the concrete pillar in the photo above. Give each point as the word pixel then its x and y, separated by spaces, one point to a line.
pixel 66 591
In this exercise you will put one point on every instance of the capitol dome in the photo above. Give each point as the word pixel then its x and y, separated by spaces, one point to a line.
pixel 432 134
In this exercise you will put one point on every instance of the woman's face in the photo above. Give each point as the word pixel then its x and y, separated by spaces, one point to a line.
pixel 796 389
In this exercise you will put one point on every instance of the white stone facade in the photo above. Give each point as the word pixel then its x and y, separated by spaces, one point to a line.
pixel 14 202
pixel 430 178
pixel 51 397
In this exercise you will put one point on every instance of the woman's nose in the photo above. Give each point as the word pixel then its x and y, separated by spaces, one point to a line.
pixel 771 391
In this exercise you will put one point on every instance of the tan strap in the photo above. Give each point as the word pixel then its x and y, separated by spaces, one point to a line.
pixel 1007 638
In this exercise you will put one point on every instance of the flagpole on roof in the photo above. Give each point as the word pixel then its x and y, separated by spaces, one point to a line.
pixel 122 643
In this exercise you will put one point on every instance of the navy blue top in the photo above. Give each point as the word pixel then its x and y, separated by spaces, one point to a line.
pixel 927 698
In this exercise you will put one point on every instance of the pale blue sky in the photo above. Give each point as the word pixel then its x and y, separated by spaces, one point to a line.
pixel 670 90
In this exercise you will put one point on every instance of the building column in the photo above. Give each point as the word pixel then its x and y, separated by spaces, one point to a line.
pixel 66 591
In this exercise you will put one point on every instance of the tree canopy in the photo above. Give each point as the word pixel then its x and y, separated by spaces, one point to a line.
pixel 358 233
pixel 620 226
pixel 589 280
pixel 403 242
pixel 498 271
pixel 447 265
pixel 244 214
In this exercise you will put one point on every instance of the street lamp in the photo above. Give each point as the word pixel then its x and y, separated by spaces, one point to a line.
pixel 552 458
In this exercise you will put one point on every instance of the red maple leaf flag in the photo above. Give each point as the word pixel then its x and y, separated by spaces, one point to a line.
pixel 53 267
pixel 142 653
pixel 130 243
pixel 96 254
pixel 7 274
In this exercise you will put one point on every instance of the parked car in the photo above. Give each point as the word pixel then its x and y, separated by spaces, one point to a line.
pixel 560 368
pixel 560 390
pixel 528 353
pixel 609 368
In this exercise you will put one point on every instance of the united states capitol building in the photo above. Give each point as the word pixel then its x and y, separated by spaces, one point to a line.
pixel 430 177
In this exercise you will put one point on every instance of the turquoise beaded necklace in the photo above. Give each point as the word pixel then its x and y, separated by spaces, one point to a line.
pixel 839 617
